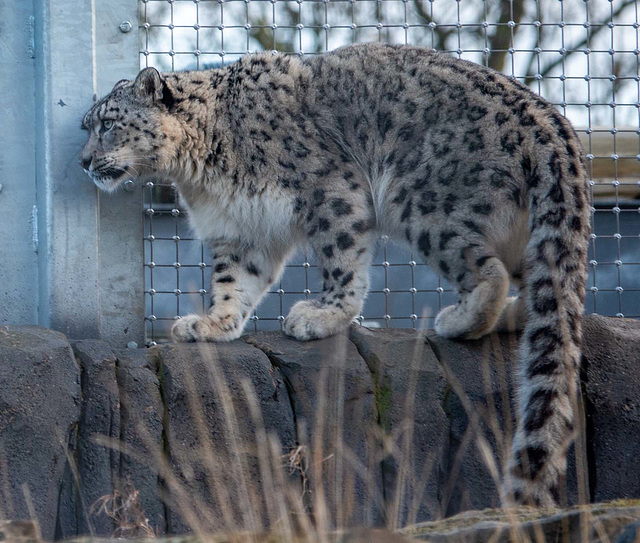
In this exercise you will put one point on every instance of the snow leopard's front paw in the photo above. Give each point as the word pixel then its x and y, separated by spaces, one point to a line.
pixel 309 319
pixel 207 328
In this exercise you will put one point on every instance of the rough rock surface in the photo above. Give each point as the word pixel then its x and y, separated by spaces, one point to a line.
pixel 333 402
pixel 141 428
pixel 39 411
pixel 100 416
pixel 611 379
pixel 410 389
pixel 479 404
pixel 583 524
pixel 481 410
pixel 371 427
pixel 215 478
pixel 375 535
pixel 120 416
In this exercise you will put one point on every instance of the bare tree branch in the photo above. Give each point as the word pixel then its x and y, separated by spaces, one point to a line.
pixel 440 34
pixel 500 41
pixel 265 35
pixel 578 47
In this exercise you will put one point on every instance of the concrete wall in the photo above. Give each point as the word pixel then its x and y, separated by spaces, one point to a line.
pixel 18 260
pixel 71 260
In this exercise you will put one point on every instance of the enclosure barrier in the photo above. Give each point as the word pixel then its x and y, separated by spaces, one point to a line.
pixel 124 266
pixel 581 56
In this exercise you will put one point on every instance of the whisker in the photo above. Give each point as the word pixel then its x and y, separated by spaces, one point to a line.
pixel 125 169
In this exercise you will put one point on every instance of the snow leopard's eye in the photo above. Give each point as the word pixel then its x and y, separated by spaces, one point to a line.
pixel 107 124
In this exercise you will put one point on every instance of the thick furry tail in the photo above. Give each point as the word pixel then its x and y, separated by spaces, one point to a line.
pixel 556 274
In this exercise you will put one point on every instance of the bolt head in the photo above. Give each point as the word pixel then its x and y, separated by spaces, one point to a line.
pixel 126 26
pixel 129 185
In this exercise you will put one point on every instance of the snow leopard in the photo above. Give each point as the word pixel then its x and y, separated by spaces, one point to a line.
pixel 483 178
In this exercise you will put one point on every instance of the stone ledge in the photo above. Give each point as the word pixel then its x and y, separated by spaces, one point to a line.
pixel 394 413
pixel 586 524
pixel 616 522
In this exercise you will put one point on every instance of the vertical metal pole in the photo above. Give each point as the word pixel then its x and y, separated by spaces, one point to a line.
pixel 90 257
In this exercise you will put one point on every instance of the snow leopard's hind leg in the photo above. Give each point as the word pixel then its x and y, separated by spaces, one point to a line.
pixel 482 282
pixel 340 228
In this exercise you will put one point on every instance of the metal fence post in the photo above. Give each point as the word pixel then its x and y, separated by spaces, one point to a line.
pixel 90 254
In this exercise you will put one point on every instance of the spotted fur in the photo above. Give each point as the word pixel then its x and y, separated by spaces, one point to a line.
pixel 479 175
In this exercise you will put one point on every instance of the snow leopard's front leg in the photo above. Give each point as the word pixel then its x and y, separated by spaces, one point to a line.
pixel 340 230
pixel 240 277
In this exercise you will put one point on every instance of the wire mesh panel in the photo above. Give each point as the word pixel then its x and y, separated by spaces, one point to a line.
pixel 581 55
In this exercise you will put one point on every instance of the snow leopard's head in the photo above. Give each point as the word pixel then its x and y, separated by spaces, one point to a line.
pixel 129 131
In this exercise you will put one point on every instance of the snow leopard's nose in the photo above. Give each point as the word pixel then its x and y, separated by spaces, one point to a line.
pixel 85 161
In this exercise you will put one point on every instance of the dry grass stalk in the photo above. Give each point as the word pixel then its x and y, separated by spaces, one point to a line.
pixel 126 512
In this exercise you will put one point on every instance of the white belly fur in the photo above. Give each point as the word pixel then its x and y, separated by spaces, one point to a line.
pixel 250 220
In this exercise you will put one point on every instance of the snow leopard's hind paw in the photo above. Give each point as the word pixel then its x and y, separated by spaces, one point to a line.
pixel 310 319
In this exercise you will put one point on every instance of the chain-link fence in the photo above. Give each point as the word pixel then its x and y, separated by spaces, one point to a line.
pixel 582 55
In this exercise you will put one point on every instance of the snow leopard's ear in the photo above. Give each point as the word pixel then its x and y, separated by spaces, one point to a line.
pixel 148 86
pixel 119 84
